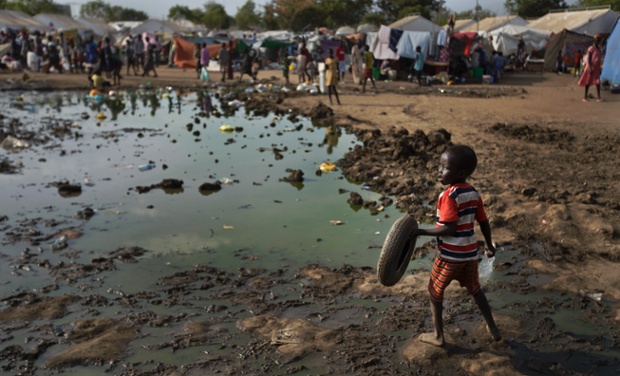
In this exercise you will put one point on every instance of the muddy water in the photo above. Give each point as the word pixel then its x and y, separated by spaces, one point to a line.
pixel 256 234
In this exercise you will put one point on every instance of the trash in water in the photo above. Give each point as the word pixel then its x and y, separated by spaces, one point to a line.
pixel 596 296
pixel 336 222
pixel 227 181
pixel 227 227
pixel 59 243
pixel 146 167
pixel 227 128
pixel 327 167
pixel 11 142
pixel 366 187
pixel 101 116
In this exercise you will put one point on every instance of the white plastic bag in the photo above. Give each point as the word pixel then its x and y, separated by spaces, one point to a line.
pixel 485 268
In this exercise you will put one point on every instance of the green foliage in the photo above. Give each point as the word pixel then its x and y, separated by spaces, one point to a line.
pixel 182 12
pixel 343 12
pixel 247 17
pixel 615 4
pixel 533 8
pixel 101 10
pixel 33 7
pixel 215 16
pixel 374 18
pixel 395 9
pixel 307 19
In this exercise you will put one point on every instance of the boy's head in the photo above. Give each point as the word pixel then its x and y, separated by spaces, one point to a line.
pixel 457 164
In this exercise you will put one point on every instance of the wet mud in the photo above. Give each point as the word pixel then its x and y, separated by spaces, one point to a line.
pixel 343 321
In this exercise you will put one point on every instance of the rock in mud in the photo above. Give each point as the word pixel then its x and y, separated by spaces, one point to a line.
pixel 294 176
pixel 355 199
pixel 209 188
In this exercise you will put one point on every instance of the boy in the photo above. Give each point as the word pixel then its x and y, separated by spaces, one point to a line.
pixel 418 66
pixel 457 207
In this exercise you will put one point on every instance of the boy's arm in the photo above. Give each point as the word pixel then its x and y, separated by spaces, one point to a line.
pixel 485 228
pixel 448 229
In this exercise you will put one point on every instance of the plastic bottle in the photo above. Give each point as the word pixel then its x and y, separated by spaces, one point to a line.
pixel 146 167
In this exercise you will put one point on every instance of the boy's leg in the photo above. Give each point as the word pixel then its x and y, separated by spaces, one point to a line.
pixel 336 94
pixel 436 338
pixel 485 308
pixel 329 94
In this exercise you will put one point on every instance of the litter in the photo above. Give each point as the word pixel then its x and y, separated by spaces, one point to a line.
pixel 336 222
pixel 10 143
pixel 485 268
pixel 327 167
pixel 227 227
pixel 101 116
pixel 227 128
pixel 596 296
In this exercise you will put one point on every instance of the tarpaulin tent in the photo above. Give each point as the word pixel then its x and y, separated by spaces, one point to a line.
pixel 16 20
pixel 569 43
pixel 611 65
pixel 506 39
pixel 589 21
pixel 184 50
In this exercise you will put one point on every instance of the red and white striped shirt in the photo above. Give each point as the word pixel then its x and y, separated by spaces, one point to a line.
pixel 460 203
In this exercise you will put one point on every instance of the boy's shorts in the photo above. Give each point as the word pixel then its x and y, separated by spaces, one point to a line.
pixel 444 271
pixel 367 73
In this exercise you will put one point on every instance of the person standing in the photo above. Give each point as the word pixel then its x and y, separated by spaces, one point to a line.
pixel 139 50
pixel 197 58
pixel 418 65
pixel 130 54
pixel 356 63
pixel 149 63
pixel 231 56
pixel 222 56
pixel 340 55
pixel 369 61
pixel 246 66
pixel 331 76
pixel 157 51
pixel 205 57
pixel 592 71
pixel 92 55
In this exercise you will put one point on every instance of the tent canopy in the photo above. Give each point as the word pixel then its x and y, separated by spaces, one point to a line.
pixel 611 67
pixel 567 42
pixel 489 24
pixel 16 20
pixel 345 30
pixel 59 21
pixel 415 23
pixel 590 22
pixel 506 39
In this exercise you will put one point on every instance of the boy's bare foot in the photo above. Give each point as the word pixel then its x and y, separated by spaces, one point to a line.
pixel 431 339
pixel 494 333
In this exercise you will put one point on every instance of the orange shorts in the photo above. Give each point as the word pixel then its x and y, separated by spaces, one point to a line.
pixel 445 271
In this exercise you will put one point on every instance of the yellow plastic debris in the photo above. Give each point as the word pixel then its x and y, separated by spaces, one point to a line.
pixel 101 116
pixel 227 128
pixel 227 227
pixel 327 167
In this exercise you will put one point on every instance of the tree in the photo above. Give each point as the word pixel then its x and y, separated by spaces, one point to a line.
pixel 101 10
pixel 343 12
pixel 307 19
pixel 215 16
pixel 247 17
pixel 615 4
pixel 182 12
pixel 395 9
pixel 129 14
pixel 95 9
pixel 34 7
pixel 374 18
pixel 285 10
pixel 533 8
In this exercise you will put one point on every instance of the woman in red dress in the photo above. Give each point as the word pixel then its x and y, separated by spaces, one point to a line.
pixel 592 72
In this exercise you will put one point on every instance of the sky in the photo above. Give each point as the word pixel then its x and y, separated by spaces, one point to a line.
pixel 159 9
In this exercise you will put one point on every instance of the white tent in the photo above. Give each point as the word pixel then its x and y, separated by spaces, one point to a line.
pixel 157 26
pixel 345 30
pixel 418 24
pixel 54 22
pixel 588 21
pixel 415 23
pixel 16 20
pixel 367 28
pixel 100 28
pixel 506 39
pixel 489 24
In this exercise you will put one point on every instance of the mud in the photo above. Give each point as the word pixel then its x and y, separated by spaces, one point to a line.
pixel 549 218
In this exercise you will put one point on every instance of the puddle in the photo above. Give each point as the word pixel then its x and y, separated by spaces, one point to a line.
pixel 210 257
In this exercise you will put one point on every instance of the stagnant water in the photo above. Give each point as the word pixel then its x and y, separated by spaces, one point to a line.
pixel 255 221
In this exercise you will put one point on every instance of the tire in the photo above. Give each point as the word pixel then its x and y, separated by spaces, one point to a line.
pixel 397 251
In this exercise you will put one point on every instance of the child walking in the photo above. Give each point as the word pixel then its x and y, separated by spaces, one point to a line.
pixel 457 208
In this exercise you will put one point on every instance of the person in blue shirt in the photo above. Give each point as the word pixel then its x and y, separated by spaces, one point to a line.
pixel 92 55
pixel 418 65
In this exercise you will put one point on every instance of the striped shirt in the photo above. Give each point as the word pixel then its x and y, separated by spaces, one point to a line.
pixel 460 203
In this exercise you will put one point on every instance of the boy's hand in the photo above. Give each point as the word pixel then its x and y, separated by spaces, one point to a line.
pixel 490 252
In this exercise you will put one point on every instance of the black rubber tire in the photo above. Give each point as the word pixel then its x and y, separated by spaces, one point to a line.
pixel 397 251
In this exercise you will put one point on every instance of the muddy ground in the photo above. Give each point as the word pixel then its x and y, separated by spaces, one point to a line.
pixel 548 172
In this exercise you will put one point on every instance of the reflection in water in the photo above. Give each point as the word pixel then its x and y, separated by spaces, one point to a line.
pixel 332 133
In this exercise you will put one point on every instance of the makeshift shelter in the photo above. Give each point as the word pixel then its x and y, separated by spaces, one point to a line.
pixel 611 65
pixel 54 22
pixel 490 24
pixel 345 30
pixel 157 26
pixel 589 21
pixel 99 28
pixel 367 28
pixel 567 42
pixel 16 20
pixel 184 49
pixel 463 24
pixel 124 26
pixel 417 24
pixel 506 39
